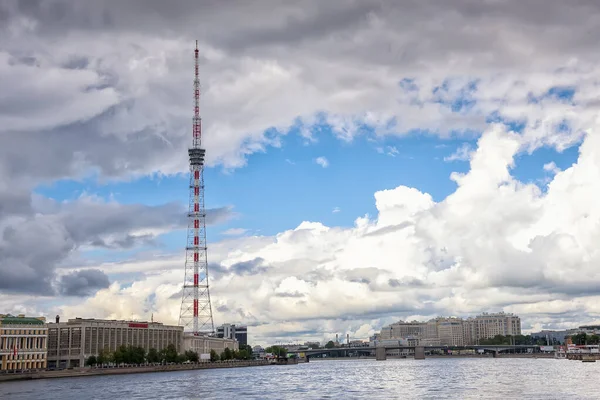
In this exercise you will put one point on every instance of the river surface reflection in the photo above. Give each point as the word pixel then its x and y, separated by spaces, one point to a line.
pixel 433 378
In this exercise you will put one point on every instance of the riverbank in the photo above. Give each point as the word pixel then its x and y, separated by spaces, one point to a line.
pixel 88 371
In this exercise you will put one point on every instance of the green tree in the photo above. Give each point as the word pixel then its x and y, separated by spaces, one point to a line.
pixel 91 361
pixel 213 356
pixel 330 345
pixel 227 354
pixel 129 355
pixel 522 340
pixel 169 354
pixel 246 347
pixel 120 355
pixel 276 350
pixel 246 352
pixel 153 356
pixel 191 356
pixel 243 355
pixel 593 339
pixel 137 355
pixel 579 339
pixel 496 341
pixel 105 357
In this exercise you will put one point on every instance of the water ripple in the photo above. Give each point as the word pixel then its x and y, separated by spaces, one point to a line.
pixel 434 378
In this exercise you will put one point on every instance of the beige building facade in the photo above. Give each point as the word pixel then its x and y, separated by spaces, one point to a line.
pixel 450 331
pixel 204 344
pixel 403 329
pixel 486 326
pixel 71 343
pixel 454 331
pixel 23 343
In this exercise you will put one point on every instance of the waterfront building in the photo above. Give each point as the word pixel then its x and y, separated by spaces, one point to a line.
pixel 203 344
pixel 590 329
pixel 403 329
pixel 232 331
pixel 486 326
pixel 258 352
pixel 71 343
pixel 23 342
pixel 435 332
pixel 450 331
pixel 453 331
pixel 555 336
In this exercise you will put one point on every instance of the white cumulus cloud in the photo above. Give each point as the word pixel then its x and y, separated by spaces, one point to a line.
pixel 494 244
pixel 322 161
pixel 463 153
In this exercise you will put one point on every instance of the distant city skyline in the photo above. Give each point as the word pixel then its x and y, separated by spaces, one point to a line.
pixel 365 162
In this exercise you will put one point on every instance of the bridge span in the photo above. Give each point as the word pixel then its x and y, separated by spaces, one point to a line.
pixel 417 351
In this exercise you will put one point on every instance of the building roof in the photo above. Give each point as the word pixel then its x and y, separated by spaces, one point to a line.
pixel 113 322
pixel 20 320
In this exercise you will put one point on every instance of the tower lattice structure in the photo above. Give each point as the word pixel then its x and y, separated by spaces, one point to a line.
pixel 196 310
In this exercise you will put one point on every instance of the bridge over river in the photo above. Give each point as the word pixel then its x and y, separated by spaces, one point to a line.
pixel 418 351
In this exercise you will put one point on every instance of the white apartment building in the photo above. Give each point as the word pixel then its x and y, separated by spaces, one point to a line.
pixel 204 344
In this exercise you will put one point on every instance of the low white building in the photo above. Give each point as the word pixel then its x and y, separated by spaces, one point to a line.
pixel 202 345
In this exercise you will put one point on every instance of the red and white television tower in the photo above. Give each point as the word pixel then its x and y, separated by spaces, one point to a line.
pixel 196 310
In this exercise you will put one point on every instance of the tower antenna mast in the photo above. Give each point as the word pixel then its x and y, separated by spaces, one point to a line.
pixel 196 310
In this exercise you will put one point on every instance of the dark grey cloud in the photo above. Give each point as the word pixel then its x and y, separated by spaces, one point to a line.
pixel 127 242
pixel 438 27
pixel 14 201
pixel 364 275
pixel 244 268
pixel 29 251
pixel 412 282
pixel 221 308
pixel 82 283
pixel 33 246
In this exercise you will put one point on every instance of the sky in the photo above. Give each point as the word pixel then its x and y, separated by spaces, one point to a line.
pixel 367 161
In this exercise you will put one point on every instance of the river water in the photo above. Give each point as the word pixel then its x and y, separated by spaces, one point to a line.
pixel 433 378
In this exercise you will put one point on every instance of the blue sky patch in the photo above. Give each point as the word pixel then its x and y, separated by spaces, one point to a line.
pixel 286 185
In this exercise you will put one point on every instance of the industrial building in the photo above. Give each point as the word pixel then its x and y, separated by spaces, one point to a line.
pixel 23 342
pixel 71 343
pixel 231 331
